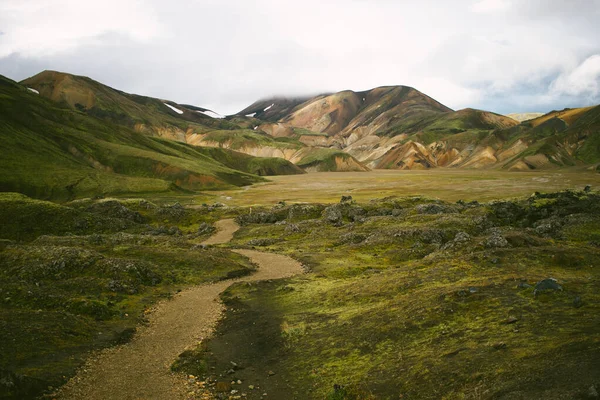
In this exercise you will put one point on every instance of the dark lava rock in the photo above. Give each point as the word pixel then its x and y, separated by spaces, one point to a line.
pixel 114 209
pixel 546 285
pixel 352 237
pixel 333 215
pixel 346 199
pixel 524 285
pixel 263 241
pixel 175 211
pixel 205 228
pixel 496 239
pixel 431 209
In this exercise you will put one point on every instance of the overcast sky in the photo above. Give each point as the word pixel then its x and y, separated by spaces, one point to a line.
pixel 499 55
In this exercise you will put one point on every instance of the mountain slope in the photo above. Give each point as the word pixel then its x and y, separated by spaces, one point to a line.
pixel 170 120
pixel 148 115
pixel 399 127
pixel 49 151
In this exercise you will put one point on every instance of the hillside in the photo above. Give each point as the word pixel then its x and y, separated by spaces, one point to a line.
pixel 169 120
pixel 51 151
pixel 390 127
pixel 398 127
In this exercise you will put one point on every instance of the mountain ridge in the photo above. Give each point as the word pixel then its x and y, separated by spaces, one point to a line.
pixel 395 127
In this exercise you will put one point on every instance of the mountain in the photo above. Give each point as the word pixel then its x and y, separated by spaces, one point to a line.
pixel 398 127
pixel 55 151
pixel 185 123
pixel 389 127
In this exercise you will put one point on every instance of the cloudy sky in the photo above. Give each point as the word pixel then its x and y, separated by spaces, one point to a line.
pixel 500 55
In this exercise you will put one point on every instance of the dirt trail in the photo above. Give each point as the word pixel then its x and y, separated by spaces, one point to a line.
pixel 225 230
pixel 140 369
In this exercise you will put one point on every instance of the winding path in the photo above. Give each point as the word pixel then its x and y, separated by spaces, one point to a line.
pixel 141 369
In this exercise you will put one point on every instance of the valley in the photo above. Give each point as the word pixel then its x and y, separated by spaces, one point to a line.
pixel 352 245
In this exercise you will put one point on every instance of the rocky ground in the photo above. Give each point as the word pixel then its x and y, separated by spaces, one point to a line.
pixel 405 297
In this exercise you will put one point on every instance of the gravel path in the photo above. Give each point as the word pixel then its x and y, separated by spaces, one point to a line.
pixel 140 369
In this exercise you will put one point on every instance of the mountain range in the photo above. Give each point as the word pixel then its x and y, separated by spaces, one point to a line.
pixel 66 136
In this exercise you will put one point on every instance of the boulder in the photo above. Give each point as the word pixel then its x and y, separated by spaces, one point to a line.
pixel 205 228
pixel 495 239
pixel 333 215
pixel 547 285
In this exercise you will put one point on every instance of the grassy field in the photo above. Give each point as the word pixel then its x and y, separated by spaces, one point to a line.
pixel 444 184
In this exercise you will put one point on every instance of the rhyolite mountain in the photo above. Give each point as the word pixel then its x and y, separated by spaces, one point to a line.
pixel 398 127
pixel 392 127
pixel 183 123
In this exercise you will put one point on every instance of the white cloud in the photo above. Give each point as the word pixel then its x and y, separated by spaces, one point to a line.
pixel 490 6
pixel 584 80
pixel 223 55
pixel 39 28
pixel 450 93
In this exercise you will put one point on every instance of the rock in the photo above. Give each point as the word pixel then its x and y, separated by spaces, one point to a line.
pixel 175 211
pixel 251 387
pixel 549 227
pixel 298 212
pixel 495 239
pixel 205 228
pixel 263 241
pixel 292 228
pixel 352 237
pixel 587 189
pixel 396 212
pixel 524 285
pixel 546 285
pixel 279 205
pixel 577 302
pixel 112 208
pixel 462 237
pixel 431 209
pixel 346 199
pixel 356 213
pixel 511 320
pixel 271 373
pixel 333 215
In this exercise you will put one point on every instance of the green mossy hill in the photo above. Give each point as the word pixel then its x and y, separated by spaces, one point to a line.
pixel 419 298
pixel 248 138
pixel 260 166
pixel 79 277
pixel 147 114
pixel 326 160
pixel 57 153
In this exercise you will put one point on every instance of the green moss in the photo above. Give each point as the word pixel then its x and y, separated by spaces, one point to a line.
pixel 422 320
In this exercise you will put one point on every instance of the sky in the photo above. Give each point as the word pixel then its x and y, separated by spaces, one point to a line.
pixel 499 55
